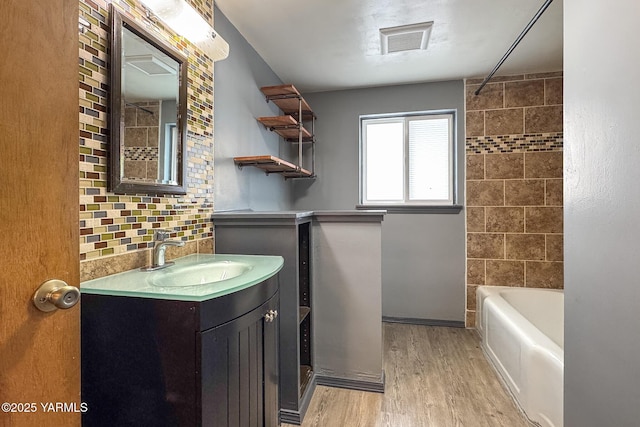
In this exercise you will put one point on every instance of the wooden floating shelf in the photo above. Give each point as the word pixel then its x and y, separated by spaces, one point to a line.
pixel 287 98
pixel 287 127
pixel 272 164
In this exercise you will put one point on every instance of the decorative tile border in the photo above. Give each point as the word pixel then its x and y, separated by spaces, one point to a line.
pixel 141 153
pixel 514 143
pixel 113 224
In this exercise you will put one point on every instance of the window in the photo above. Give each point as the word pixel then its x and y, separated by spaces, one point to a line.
pixel 408 160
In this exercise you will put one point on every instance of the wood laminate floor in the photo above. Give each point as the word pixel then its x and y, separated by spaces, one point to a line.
pixel 435 377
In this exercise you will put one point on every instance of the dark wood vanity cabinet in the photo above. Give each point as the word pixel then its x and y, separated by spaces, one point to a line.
pixel 152 362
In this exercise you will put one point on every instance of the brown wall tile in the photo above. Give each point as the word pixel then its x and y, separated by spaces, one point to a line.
pixel 525 246
pixel 514 214
pixel 546 164
pixel 555 247
pixel 504 122
pixel 475 271
pixel 505 220
pixel 542 274
pixel 524 93
pixel 475 166
pixel 471 297
pixel 526 192
pixel 470 319
pixel 484 245
pixel 543 220
pixel 189 248
pixel 130 116
pixel 135 168
pixel 101 267
pixel 152 169
pixel 490 97
pixel 154 137
pixel 553 192
pixel 505 273
pixel 543 75
pixel 553 91
pixel 485 193
pixel 136 137
pixel 475 219
pixel 543 119
pixel 504 166
pixel 475 123
pixel 149 120
pixel 206 246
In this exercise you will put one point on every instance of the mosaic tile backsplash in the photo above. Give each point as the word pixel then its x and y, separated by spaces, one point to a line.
pixel 514 184
pixel 111 224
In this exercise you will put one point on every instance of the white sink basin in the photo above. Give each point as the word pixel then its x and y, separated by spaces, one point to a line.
pixel 198 274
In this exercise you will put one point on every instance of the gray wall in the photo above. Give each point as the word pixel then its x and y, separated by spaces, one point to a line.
pixel 423 254
pixel 602 202
pixel 347 300
pixel 237 103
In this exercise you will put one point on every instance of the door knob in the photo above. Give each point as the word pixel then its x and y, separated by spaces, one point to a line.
pixel 55 294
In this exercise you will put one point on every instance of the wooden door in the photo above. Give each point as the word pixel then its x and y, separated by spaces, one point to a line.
pixel 39 352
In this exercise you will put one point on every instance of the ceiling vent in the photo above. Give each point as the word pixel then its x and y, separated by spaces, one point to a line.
pixel 150 65
pixel 405 37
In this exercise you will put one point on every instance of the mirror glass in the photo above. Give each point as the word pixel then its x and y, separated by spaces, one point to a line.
pixel 148 112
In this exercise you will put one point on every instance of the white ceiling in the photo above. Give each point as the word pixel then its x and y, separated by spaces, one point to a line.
pixel 335 44
pixel 139 86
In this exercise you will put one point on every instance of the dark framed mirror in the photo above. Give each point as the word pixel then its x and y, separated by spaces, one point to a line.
pixel 148 112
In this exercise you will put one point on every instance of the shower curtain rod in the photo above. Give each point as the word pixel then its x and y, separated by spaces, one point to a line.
pixel 133 104
pixel 515 43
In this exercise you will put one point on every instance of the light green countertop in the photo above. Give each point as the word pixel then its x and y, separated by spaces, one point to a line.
pixel 165 283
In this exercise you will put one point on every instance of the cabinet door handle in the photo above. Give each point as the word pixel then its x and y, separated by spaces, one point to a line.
pixel 271 315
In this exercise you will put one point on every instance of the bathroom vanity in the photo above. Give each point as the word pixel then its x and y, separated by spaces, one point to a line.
pixel 155 353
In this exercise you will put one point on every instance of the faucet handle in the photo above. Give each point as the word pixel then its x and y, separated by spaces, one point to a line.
pixel 161 235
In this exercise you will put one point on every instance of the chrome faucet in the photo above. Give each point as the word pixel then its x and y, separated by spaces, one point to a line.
pixel 159 249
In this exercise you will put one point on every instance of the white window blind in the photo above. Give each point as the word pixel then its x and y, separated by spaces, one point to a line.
pixel 429 159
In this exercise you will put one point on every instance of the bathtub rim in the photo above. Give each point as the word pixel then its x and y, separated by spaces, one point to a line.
pixel 484 292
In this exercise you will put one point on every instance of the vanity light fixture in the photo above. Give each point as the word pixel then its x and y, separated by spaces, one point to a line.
pixel 184 20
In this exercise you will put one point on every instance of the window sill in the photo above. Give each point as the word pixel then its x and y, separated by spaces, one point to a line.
pixel 418 209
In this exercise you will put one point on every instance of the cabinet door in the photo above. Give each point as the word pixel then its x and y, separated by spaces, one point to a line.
pixel 271 367
pixel 239 371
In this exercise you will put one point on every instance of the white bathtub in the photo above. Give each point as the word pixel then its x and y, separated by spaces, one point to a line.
pixel 522 332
